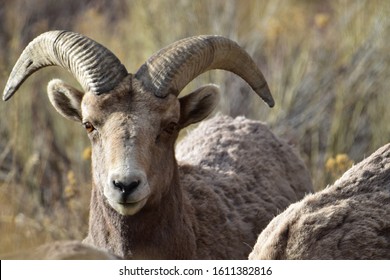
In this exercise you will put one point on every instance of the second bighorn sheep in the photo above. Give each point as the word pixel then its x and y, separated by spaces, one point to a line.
pixel 233 175
pixel 348 220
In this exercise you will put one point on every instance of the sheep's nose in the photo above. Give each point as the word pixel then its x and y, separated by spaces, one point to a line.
pixel 126 184
pixel 126 188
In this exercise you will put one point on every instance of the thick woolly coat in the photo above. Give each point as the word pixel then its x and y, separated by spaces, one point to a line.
pixel 233 177
pixel 348 220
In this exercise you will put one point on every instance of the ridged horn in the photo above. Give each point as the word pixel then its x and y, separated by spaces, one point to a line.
pixel 172 68
pixel 96 68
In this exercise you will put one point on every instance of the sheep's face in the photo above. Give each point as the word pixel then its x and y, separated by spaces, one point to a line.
pixel 132 133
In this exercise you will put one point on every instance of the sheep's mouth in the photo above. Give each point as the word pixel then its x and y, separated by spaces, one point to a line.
pixel 128 208
pixel 131 203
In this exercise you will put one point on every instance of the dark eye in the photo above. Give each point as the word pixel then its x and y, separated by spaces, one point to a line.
pixel 171 128
pixel 88 127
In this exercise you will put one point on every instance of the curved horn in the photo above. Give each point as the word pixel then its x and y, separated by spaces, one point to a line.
pixel 96 68
pixel 172 68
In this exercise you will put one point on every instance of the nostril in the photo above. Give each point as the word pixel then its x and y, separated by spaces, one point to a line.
pixel 118 185
pixel 124 188
pixel 134 184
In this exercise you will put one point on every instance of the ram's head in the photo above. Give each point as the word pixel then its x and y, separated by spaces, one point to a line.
pixel 133 120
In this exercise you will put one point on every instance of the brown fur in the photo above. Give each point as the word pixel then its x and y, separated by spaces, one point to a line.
pixel 238 175
pixel 234 177
pixel 348 220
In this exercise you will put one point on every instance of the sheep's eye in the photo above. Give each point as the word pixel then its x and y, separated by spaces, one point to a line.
pixel 88 127
pixel 171 128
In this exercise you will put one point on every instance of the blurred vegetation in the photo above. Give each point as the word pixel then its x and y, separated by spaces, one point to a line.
pixel 327 64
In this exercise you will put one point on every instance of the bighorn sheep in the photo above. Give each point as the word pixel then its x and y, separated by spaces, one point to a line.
pixel 348 220
pixel 62 250
pixel 143 203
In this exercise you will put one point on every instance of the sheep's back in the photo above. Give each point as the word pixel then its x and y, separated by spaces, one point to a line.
pixel 238 175
pixel 348 220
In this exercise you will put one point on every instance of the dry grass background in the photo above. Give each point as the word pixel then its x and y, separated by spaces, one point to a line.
pixel 327 64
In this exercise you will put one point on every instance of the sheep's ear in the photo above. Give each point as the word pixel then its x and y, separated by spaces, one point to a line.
pixel 197 105
pixel 65 99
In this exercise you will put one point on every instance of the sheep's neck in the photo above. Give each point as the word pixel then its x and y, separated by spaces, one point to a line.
pixel 162 232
